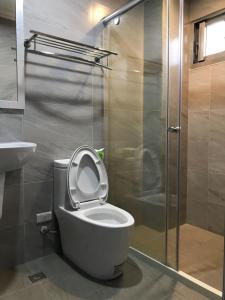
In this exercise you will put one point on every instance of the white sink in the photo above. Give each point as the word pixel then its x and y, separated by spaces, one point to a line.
pixel 13 155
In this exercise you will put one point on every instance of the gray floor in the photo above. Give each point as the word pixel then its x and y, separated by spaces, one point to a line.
pixel 140 281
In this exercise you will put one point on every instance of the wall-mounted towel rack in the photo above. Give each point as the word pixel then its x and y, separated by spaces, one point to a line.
pixel 79 52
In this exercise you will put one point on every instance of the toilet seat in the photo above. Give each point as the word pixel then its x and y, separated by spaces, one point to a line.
pixel 105 216
pixel 86 177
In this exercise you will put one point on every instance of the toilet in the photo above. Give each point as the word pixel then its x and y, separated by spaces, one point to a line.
pixel 94 234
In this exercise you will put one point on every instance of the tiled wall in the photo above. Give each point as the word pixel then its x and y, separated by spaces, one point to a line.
pixel 206 141
pixel 206 125
pixel 201 8
pixel 64 109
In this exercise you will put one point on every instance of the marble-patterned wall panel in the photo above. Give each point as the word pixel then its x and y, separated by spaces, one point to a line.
pixel 58 115
pixel 11 246
pixel 216 218
pixel 204 7
pixel 36 244
pixel 11 126
pixel 197 198
pixel 216 188
pixel 199 89
pixel 69 19
pixel 218 86
pixel 198 125
pixel 13 206
pixel 198 155
pixel 64 101
pixel 217 141
pixel 38 197
pixel 64 108
pixel 112 4
pixel 14 177
pixel 206 166
pixel 197 214
pixel 197 185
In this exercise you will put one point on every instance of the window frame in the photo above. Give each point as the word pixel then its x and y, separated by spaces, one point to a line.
pixel 199 41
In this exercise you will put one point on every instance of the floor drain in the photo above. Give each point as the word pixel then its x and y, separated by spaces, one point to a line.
pixel 37 277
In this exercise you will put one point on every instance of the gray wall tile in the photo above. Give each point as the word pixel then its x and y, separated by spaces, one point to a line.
pixel 38 197
pixel 198 155
pixel 13 207
pixel 64 109
pixel 198 124
pixel 11 246
pixel 36 244
pixel 216 218
pixel 11 125
pixel 206 141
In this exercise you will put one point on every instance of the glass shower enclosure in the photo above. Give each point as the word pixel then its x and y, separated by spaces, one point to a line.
pixel 149 125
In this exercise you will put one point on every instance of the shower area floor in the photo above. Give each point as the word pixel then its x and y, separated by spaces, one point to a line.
pixel 201 255
pixel 201 251
pixel 141 280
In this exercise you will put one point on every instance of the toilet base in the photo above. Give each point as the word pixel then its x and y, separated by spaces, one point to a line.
pixel 110 273
pixel 100 252
pixel 116 273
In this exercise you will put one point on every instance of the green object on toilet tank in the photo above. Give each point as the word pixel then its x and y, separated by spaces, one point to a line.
pixel 101 153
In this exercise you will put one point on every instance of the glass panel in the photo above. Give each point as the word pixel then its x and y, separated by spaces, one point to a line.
pixel 173 135
pixel 136 110
pixel 8 77
pixel 203 158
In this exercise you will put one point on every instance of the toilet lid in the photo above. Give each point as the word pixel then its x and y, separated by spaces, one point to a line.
pixel 86 177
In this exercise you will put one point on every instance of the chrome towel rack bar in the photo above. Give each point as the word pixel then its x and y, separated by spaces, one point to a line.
pixel 71 50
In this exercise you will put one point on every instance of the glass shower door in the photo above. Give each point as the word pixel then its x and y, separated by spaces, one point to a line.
pixel 136 118
pixel 173 131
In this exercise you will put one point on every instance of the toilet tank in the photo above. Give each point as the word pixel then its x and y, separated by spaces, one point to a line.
pixel 60 190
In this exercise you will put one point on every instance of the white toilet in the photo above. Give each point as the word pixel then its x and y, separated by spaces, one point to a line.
pixel 94 234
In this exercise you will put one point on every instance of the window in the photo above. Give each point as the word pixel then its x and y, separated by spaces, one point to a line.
pixel 209 38
pixel 215 37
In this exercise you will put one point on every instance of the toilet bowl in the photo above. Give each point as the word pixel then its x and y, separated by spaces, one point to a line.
pixel 94 233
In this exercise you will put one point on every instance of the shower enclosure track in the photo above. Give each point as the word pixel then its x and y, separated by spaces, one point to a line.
pixel 72 51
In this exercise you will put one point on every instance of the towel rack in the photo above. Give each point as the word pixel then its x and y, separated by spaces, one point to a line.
pixel 78 52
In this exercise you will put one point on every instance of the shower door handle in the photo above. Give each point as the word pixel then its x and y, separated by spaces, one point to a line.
pixel 173 129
